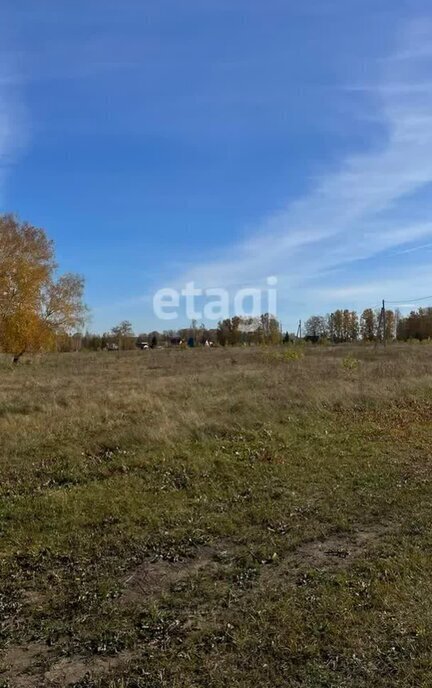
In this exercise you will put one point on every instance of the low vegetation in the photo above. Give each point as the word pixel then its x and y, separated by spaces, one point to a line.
pixel 189 518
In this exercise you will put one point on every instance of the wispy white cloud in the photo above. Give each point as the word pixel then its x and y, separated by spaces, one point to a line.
pixel 384 285
pixel 413 249
pixel 354 213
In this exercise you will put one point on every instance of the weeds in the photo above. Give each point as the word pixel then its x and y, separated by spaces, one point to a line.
pixel 350 363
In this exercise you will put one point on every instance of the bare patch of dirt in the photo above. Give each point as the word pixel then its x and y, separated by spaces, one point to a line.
pixel 21 661
pixel 153 578
pixel 334 552
pixel 337 550
pixel 66 671
pixel 21 656
pixel 70 670
pixel 26 667
pixel 33 598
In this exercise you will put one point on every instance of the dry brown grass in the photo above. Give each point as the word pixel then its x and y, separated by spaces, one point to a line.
pixel 166 393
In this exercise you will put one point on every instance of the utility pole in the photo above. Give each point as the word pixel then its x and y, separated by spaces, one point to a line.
pixel 381 328
pixel 299 330
pixel 378 330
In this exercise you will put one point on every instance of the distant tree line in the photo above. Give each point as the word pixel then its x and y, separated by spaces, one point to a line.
pixel 340 326
pixel 343 326
pixel 264 329
pixel 347 326
pixel 416 325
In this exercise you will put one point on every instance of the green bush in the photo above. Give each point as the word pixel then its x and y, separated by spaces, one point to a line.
pixel 350 363
pixel 292 354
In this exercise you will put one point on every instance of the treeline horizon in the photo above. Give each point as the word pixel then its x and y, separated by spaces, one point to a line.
pixel 264 329
pixel 339 327
pixel 343 325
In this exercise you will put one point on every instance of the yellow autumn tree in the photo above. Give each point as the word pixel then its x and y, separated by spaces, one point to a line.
pixel 35 306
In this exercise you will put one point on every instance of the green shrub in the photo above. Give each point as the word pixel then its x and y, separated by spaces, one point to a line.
pixel 292 354
pixel 350 363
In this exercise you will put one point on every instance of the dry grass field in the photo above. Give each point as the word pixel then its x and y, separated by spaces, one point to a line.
pixel 225 518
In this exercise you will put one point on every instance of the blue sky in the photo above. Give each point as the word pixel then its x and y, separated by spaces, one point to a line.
pixel 220 142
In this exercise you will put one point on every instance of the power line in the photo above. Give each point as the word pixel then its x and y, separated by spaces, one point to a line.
pixel 422 298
